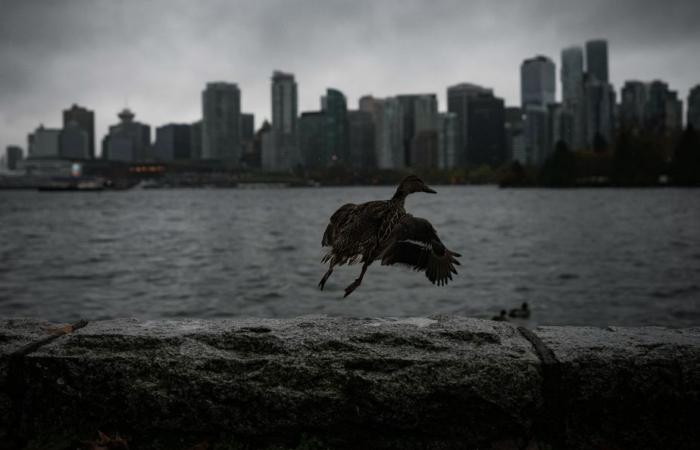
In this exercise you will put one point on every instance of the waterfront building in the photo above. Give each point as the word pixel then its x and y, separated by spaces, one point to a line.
pixel 128 140
pixel 173 142
pixel 361 140
pixel 44 143
pixel 13 155
pixel 694 107
pixel 221 122
pixel 74 142
pixel 85 119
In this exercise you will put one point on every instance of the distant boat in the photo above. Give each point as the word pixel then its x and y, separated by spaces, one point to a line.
pixel 91 185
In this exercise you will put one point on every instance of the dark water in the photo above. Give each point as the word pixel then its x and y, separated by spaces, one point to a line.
pixel 595 257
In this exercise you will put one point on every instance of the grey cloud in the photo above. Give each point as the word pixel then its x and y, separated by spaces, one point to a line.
pixel 158 54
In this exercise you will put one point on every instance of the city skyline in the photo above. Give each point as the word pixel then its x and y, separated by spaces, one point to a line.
pixel 359 48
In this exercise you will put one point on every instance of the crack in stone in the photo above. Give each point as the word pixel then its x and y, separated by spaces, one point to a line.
pixel 550 421
pixel 17 384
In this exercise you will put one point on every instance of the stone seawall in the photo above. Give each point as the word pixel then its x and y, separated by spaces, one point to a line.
pixel 319 382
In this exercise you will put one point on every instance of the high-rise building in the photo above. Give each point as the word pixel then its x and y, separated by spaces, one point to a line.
pixel 597 59
pixel 536 134
pixel 361 140
pixel 44 143
pixel 128 140
pixel 247 127
pixel 196 140
pixel 284 105
pixel 221 122
pixel 515 138
pixel 674 114
pixel 386 115
pixel 486 138
pixel 599 101
pixel 571 75
pixel 419 113
pixel 537 88
pixel 447 140
pixel 312 140
pixel 460 99
pixel 425 149
pixel 85 119
pixel 13 155
pixel 173 142
pixel 632 105
pixel 335 109
pixel 694 107
pixel 560 125
pixel 572 92
pixel 283 140
pixel 663 112
pixel 74 141
pixel 247 136
pixel 537 81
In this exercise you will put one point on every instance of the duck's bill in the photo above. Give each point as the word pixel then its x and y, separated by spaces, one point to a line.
pixel 429 191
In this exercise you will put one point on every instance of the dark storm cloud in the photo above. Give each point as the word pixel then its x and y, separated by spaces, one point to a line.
pixel 157 55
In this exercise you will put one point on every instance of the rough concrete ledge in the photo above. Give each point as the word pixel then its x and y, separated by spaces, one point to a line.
pixel 319 382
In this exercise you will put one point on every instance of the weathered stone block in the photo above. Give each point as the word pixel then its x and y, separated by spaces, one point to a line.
pixel 450 382
pixel 16 335
pixel 626 388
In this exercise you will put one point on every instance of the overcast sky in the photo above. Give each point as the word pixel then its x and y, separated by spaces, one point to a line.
pixel 156 56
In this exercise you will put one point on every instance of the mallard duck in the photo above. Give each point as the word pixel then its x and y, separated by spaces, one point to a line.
pixel 501 317
pixel 382 230
pixel 523 312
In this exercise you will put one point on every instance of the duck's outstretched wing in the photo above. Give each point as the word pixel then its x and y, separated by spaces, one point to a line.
pixel 414 242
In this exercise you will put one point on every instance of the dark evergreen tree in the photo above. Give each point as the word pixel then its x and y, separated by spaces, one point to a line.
pixel 685 168
pixel 638 161
pixel 559 170
pixel 600 144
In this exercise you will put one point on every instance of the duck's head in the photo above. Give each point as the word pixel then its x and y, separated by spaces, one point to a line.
pixel 412 184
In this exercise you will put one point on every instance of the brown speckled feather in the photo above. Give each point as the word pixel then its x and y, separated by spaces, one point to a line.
pixel 356 231
pixel 382 230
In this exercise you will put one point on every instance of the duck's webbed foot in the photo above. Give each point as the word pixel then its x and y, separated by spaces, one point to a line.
pixel 352 287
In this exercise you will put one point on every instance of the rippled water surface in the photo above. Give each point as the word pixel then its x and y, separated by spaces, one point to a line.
pixel 595 257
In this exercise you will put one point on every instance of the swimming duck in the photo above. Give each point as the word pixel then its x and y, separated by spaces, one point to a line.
pixel 523 312
pixel 382 230
pixel 501 317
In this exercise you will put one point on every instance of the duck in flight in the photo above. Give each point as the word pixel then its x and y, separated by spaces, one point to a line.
pixel 383 231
